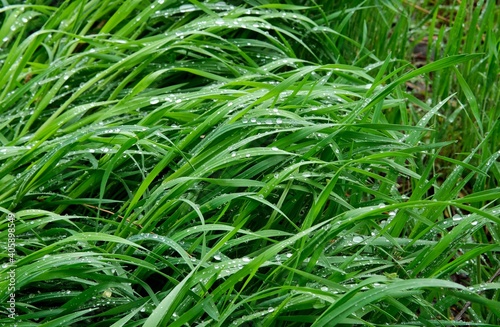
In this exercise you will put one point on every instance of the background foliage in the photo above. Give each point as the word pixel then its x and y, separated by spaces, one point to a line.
pixel 267 163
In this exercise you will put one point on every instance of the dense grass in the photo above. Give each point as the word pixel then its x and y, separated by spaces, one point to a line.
pixel 257 164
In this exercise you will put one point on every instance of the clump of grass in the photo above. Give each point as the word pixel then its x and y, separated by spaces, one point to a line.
pixel 178 164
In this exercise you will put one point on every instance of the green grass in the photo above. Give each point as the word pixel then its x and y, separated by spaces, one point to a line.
pixel 256 163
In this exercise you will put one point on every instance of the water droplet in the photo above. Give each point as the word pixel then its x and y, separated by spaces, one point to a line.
pixel 154 101
pixel 270 309
pixel 357 239
pixel 186 8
